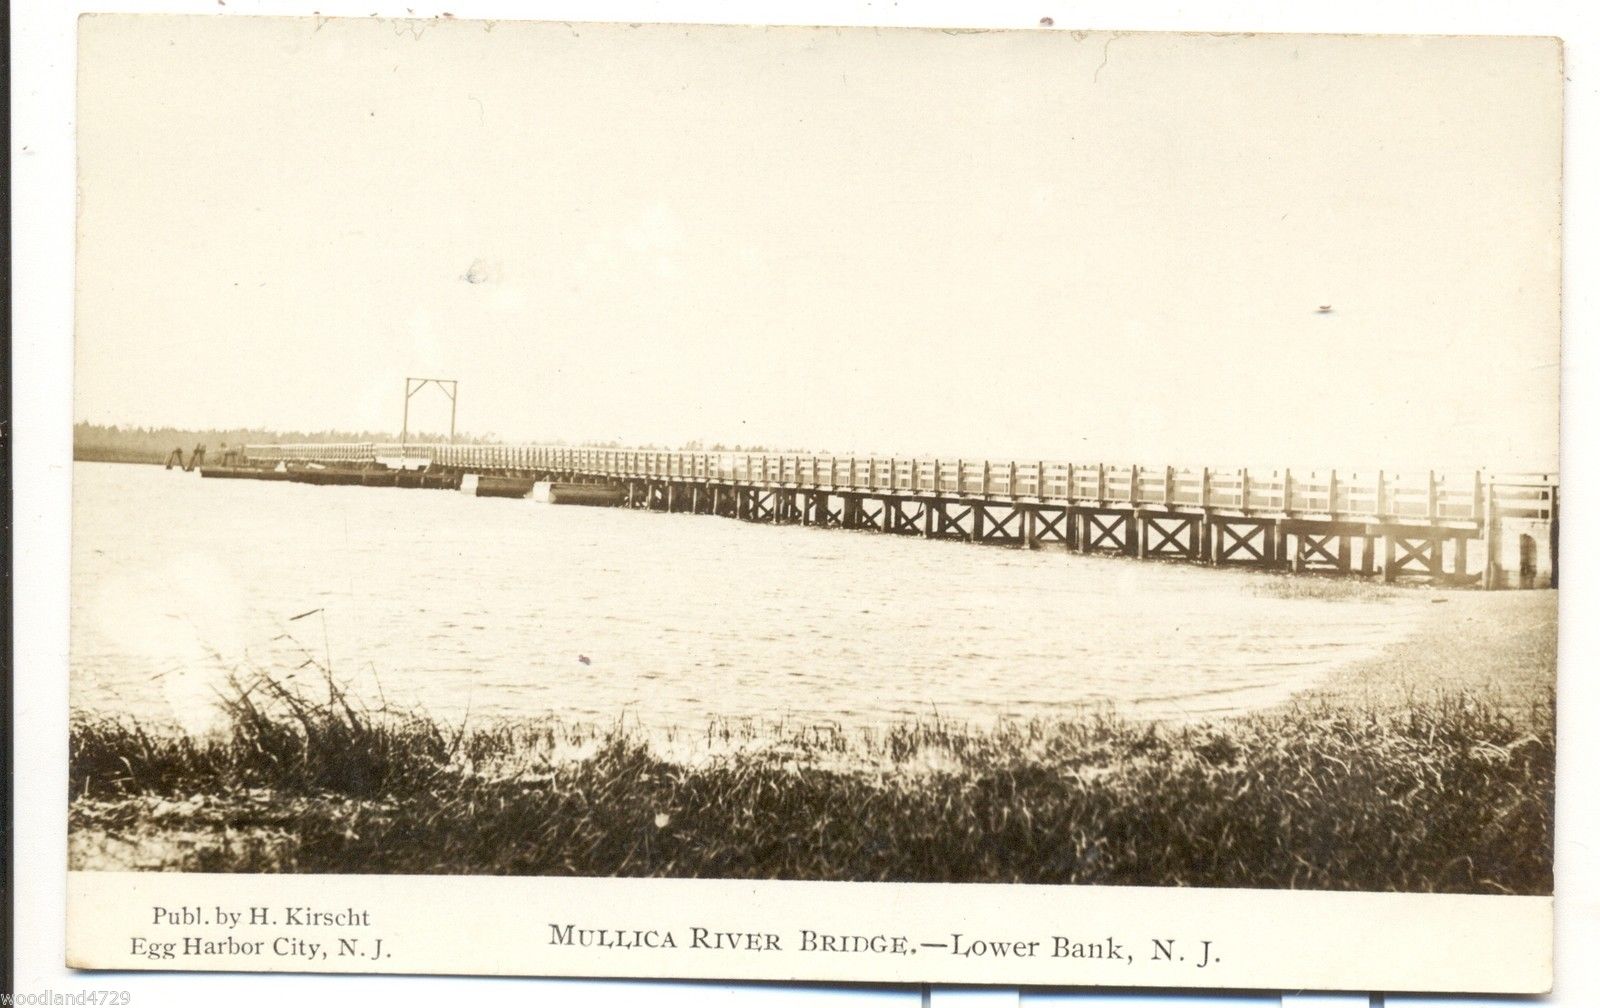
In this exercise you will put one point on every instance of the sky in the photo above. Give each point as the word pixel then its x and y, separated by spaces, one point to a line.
pixel 1031 244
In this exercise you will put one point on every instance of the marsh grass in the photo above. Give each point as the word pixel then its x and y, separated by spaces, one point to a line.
pixel 1449 793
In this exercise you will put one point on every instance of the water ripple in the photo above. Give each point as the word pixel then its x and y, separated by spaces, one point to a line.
pixel 444 603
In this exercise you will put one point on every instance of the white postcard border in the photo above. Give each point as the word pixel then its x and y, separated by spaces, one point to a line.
pixel 1028 935
pixel 43 392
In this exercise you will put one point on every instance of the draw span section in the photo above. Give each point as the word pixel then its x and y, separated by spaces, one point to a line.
pixel 1499 530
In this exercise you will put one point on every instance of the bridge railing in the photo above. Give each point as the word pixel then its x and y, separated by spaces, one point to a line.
pixel 1364 495
pixel 1531 496
pixel 326 453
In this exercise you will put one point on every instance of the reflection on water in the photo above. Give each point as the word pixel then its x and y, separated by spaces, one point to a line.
pixel 502 607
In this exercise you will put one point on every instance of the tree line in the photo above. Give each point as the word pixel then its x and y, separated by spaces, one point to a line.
pixel 116 443
pixel 119 443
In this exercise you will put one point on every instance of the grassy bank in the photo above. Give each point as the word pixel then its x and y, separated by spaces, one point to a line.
pixel 1449 794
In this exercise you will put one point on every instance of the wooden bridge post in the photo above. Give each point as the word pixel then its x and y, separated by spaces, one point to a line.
pixel 1554 537
pixel 1280 528
pixel 1491 540
pixel 1388 555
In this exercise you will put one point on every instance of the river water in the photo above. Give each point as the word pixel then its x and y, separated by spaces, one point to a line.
pixel 489 607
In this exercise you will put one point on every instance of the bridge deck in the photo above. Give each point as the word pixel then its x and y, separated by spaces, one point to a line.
pixel 1302 520
pixel 1456 500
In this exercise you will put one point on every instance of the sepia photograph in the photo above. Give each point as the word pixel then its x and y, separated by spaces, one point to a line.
pixel 1053 461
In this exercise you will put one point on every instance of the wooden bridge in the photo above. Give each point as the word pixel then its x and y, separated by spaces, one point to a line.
pixel 1496 530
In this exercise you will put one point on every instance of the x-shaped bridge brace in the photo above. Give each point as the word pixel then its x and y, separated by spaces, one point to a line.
pixel 1230 541
pixel 1100 529
pixel 1166 540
